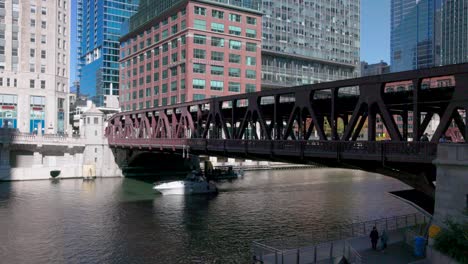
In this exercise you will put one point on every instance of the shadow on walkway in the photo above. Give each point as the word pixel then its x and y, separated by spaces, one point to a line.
pixel 395 254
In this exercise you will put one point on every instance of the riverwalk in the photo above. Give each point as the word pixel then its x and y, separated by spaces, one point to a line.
pixel 355 246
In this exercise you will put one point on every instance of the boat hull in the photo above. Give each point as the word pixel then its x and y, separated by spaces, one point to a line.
pixel 185 188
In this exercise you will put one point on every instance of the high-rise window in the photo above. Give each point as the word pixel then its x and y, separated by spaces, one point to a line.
pixel 250 74
pixel 251 47
pixel 235 44
pixel 198 84
pixel 235 17
pixel 217 14
pixel 199 68
pixel 217 56
pixel 250 33
pixel 199 24
pixel 217 42
pixel 217 27
pixel 199 54
pixel 234 87
pixel 217 70
pixel 251 20
pixel 233 30
pixel 217 85
pixel 251 61
pixel 174 86
pixel 234 58
pixel 200 11
pixel 234 72
pixel 199 39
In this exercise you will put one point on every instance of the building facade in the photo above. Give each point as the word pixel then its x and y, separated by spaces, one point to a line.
pixel 189 50
pixel 34 65
pixel 374 69
pixel 309 42
pixel 99 29
pixel 415 34
pixel 454 32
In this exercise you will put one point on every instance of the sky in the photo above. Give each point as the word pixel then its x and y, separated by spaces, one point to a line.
pixel 375 33
pixel 375 30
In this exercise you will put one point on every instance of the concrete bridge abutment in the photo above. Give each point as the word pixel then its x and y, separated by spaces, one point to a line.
pixel 451 196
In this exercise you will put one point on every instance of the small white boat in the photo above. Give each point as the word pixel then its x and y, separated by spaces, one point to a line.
pixel 195 183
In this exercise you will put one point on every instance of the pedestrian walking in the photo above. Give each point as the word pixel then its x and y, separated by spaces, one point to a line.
pixel 374 236
pixel 384 239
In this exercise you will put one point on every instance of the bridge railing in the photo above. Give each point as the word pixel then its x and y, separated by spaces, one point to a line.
pixel 13 136
pixel 362 150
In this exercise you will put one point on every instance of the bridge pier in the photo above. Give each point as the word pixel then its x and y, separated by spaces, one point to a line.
pixel 451 198
pixel 4 160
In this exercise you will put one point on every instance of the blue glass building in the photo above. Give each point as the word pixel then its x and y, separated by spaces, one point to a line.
pixel 99 30
pixel 415 41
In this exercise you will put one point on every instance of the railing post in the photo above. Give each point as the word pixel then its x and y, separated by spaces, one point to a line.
pixel 315 254
pixel 331 250
pixel 276 257
pixel 298 256
pixel 338 151
pixel 301 149
pixel 386 223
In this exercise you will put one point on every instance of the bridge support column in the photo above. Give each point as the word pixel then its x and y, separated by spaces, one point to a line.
pixel 4 162
pixel 452 183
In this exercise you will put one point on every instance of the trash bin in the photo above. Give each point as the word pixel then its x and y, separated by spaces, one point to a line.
pixel 419 246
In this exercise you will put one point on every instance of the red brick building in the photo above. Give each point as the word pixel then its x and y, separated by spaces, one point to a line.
pixel 192 50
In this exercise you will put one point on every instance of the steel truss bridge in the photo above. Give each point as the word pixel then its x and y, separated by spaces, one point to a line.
pixel 338 123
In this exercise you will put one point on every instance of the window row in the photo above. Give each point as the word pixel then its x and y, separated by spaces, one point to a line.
pixel 219 70
pixel 219 56
pixel 165 47
pixel 219 27
pixel 202 11
pixel 220 42
pixel 200 84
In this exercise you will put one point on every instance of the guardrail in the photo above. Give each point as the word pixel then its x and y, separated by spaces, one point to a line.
pixel 352 255
pixel 12 136
pixel 330 245
pixel 424 152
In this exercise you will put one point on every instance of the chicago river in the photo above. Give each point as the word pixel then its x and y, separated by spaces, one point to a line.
pixel 121 220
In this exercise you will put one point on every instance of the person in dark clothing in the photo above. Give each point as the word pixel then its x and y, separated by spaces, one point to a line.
pixel 374 236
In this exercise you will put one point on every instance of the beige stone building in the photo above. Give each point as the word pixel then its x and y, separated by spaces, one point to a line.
pixel 34 64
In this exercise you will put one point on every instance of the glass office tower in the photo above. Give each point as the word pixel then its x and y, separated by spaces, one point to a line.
pixel 415 39
pixel 454 32
pixel 309 41
pixel 99 30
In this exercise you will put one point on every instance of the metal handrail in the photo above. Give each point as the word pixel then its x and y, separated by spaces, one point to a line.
pixel 357 230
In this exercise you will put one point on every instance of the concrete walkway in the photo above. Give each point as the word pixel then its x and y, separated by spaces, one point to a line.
pixel 397 251
pixel 394 254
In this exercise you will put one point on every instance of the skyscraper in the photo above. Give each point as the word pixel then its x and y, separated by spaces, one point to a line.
pixel 415 41
pixel 309 41
pixel 34 65
pixel 178 51
pixel 454 32
pixel 99 30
